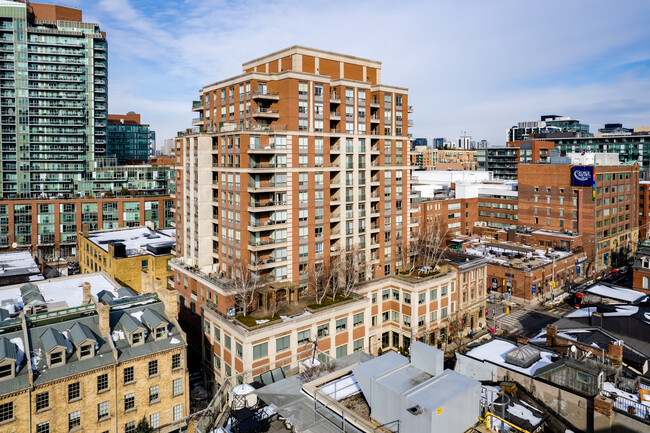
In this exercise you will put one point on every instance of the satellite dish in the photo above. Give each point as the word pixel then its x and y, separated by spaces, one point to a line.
pixel 14 245
pixel 573 349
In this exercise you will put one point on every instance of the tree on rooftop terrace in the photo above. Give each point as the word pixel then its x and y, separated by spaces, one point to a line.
pixel 349 266
pixel 428 248
pixel 245 285
pixel 323 277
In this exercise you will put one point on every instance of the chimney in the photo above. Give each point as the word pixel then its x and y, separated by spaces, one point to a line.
pixel 615 352
pixel 103 309
pixel 85 286
pixel 85 230
pixel 170 299
pixel 145 286
pixel 551 333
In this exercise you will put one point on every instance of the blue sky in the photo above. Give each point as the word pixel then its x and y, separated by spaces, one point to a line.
pixel 476 66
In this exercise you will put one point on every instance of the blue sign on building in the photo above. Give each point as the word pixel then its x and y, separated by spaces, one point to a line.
pixel 582 175
pixel 534 288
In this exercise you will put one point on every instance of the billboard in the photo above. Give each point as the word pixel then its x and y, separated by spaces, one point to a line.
pixel 582 175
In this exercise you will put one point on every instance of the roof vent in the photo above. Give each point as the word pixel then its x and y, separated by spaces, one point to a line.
pixel 415 410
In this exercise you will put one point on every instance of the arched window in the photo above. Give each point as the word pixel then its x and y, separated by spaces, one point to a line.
pixel 645 282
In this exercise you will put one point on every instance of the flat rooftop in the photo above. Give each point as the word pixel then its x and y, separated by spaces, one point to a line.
pixel 514 255
pixel 15 263
pixel 136 240
pixel 495 351
pixel 60 293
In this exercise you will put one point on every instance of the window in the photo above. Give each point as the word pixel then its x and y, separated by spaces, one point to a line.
pixel 178 412
pixel 395 317
pixel 357 345
pixel 396 295
pixel 42 401
pixel 176 361
pixel 384 317
pixel 128 375
pixel 226 341
pixel 407 298
pixel 323 330
pixel 129 402
pixel 129 427
pixel 303 336
pixel 357 319
pixel 102 411
pixel 153 367
pixel 443 291
pixel 136 338
pixel 217 334
pixel 341 351
pixel 43 427
pixel 153 394
pixel 74 391
pixel 6 411
pixel 443 312
pixel 433 294
pixel 422 298
pixel 422 320
pixel 433 316
pixel 407 320
pixel 74 420
pixel 260 351
pixel 177 387
pixel 385 295
pixel 583 377
pixel 102 382
pixel 56 358
pixel 341 325
pixel 145 264
pixel 154 420
pixel 282 343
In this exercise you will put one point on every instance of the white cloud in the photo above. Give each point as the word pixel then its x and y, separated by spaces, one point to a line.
pixel 474 65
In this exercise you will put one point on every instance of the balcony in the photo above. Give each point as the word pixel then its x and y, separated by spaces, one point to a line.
pixel 257 187
pixel 262 148
pixel 266 96
pixel 374 119
pixel 335 98
pixel 197 121
pixel 259 225
pixel 266 165
pixel 265 244
pixel 266 206
pixel 335 115
pixel 410 109
pixel 374 103
pixel 410 123
pixel 197 106
pixel 265 113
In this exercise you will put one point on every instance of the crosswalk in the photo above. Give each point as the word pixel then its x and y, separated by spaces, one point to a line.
pixel 522 321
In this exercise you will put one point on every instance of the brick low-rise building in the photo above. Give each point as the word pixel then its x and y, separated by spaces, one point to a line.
pixel 590 194
pixel 100 366
pixel 50 227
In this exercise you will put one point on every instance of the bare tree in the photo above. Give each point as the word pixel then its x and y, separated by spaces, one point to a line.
pixel 456 329
pixel 349 266
pixel 245 285
pixel 429 247
pixel 322 280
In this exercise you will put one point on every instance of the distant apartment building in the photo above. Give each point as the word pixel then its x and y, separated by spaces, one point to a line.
pixel 386 313
pixel 419 142
pixel 444 159
pixel 49 227
pixel 304 155
pixel 464 142
pixel 110 178
pixel 53 115
pixel 631 146
pixel 590 194
pixel 504 161
pixel 128 139
pixel 132 256
pixel 547 127
pixel 108 359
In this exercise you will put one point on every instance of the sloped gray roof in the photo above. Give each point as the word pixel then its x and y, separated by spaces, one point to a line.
pixel 4 314
pixel 7 349
pixel 80 333
pixel 584 365
pixel 125 292
pixel 105 296
pixel 128 323
pixel 52 339
pixel 153 319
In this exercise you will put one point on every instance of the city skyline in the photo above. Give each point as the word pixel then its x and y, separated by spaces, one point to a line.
pixel 496 72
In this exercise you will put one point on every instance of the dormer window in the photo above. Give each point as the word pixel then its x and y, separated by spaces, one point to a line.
pixel 85 351
pixel 161 332
pixel 137 338
pixel 56 358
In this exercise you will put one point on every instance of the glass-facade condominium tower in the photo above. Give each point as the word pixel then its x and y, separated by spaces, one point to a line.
pixel 53 73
